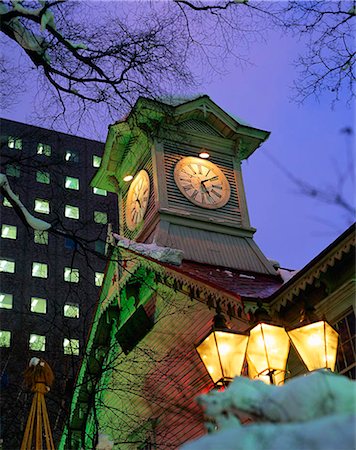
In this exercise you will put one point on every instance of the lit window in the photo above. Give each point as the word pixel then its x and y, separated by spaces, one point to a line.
pixel 99 278
pixel 8 231
pixel 14 142
pixel 13 170
pixel 98 191
pixel 71 346
pixel 5 338
pixel 71 275
pixel 96 161
pixel 7 266
pixel 72 183
pixel 6 301
pixel 37 342
pixel 38 305
pixel 100 246
pixel 6 202
pixel 71 310
pixel 72 212
pixel 100 217
pixel 44 149
pixel 43 177
pixel 71 156
pixel 41 237
pixel 39 270
pixel 42 206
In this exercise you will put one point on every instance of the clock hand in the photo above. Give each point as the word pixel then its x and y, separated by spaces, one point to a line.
pixel 209 179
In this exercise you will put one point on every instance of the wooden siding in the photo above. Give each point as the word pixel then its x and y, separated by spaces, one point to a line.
pixel 230 213
pixel 161 378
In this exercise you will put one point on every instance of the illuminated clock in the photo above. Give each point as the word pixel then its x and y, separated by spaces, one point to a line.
pixel 137 200
pixel 202 182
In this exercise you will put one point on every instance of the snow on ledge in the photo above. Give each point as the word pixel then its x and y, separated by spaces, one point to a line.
pixel 154 251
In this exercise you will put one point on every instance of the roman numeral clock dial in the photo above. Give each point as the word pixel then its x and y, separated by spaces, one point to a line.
pixel 137 200
pixel 202 182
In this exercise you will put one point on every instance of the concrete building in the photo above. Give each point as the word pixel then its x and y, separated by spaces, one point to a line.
pixel 49 281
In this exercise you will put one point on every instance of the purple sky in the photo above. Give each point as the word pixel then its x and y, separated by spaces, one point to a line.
pixel 306 140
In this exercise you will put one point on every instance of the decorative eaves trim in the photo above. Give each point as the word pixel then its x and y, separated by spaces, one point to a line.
pixel 174 279
pixel 307 276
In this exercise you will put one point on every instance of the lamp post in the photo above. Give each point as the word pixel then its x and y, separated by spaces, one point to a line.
pixel 222 351
pixel 315 341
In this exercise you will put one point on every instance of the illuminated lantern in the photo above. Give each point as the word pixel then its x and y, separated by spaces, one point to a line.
pixel 223 352
pixel 316 344
pixel 267 353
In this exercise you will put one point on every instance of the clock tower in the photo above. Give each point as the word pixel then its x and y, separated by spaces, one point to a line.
pixel 176 169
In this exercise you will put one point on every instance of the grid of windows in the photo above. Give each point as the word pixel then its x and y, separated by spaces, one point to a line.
pixel 38 305
pixel 14 142
pixel 41 237
pixel 100 217
pixel 9 231
pixel 39 270
pixel 99 191
pixel 6 265
pixel 71 156
pixel 71 275
pixel 72 212
pixel 44 149
pixel 96 161
pixel 13 170
pixel 37 342
pixel 6 301
pixel 99 277
pixel 72 183
pixel 5 338
pixel 42 206
pixel 71 346
pixel 71 310
pixel 43 177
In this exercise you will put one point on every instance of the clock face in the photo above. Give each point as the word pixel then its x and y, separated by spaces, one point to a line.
pixel 202 182
pixel 137 200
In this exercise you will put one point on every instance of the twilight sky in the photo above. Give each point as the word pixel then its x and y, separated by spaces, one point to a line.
pixel 305 139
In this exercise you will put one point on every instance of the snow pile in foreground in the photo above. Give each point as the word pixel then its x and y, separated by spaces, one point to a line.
pixel 312 412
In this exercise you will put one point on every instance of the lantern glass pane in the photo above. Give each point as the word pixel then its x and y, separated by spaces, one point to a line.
pixel 316 344
pixel 209 354
pixel 268 349
pixel 232 350
pixel 223 354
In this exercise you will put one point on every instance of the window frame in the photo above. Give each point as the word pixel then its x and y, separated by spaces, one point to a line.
pixel 99 221
pixel 39 300
pixel 71 305
pixel 9 261
pixel 4 225
pixel 2 304
pixel 46 149
pixel 43 346
pixel 74 275
pixel 46 202
pixel 42 266
pixel 76 208
pixel 68 178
